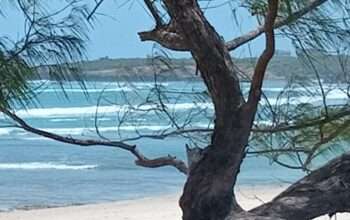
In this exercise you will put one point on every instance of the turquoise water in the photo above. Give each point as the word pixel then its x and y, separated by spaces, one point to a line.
pixel 37 172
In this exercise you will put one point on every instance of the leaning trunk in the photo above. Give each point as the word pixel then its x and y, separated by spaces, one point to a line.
pixel 208 192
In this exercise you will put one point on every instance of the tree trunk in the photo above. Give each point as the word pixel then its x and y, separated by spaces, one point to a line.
pixel 208 193
pixel 324 191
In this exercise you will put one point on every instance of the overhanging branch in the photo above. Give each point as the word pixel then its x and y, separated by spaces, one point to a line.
pixel 142 160
pixel 245 38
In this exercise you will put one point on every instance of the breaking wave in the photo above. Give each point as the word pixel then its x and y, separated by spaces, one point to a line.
pixel 91 110
pixel 42 165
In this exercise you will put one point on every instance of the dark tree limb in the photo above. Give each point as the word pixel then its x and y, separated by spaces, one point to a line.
pixel 142 160
pixel 98 4
pixel 208 192
pixel 166 36
pixel 177 132
pixel 282 150
pixel 324 191
pixel 261 66
pixel 241 40
pixel 160 162
pixel 155 13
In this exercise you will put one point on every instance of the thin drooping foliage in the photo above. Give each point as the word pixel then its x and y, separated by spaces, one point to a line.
pixel 53 41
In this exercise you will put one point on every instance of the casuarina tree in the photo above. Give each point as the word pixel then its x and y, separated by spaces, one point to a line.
pixel 208 193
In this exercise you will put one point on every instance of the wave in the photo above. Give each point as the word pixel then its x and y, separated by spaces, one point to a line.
pixel 280 89
pixel 86 130
pixel 133 84
pixel 63 112
pixel 82 130
pixel 92 87
pixel 330 96
pixel 63 119
pixel 6 131
pixel 43 165
pixel 91 131
pixel 91 110
pixel 88 90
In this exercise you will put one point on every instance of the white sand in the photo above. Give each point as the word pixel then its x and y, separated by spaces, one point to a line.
pixel 157 208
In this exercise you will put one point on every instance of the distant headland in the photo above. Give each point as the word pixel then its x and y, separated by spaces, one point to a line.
pixel 282 67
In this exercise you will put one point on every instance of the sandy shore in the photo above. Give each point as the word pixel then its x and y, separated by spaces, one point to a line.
pixel 157 208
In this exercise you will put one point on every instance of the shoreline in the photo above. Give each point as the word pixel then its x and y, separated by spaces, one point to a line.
pixel 147 208
pixel 244 190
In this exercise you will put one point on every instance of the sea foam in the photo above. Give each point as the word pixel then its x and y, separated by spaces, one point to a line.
pixel 91 110
pixel 44 165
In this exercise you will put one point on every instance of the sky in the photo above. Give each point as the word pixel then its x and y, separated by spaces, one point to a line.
pixel 114 33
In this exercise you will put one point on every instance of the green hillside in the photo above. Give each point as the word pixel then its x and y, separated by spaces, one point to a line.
pixel 283 67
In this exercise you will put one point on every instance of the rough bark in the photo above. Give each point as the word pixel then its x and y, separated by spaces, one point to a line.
pixel 166 36
pixel 208 193
pixel 324 191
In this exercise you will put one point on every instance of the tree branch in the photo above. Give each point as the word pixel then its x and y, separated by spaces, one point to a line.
pixel 154 12
pixel 98 4
pixel 141 159
pixel 165 134
pixel 281 150
pixel 264 59
pixel 166 36
pixel 324 191
pixel 309 123
pixel 239 41
pixel 314 149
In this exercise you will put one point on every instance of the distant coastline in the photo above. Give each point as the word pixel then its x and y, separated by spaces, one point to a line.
pixel 282 67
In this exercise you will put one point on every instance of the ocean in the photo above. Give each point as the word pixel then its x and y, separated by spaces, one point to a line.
pixel 36 172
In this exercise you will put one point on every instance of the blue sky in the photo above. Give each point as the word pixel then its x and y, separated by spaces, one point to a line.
pixel 116 36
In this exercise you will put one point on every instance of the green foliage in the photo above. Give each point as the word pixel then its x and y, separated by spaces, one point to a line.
pixel 302 131
pixel 325 28
pixel 13 81
pixel 52 39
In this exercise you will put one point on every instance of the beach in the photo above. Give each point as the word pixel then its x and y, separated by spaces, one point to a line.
pixel 150 208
